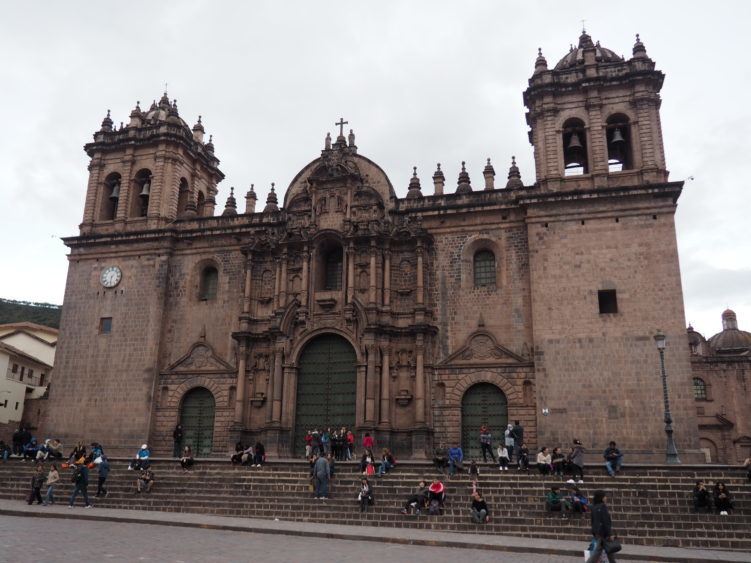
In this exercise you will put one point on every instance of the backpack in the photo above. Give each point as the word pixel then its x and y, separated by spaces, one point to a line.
pixel 435 508
pixel 77 476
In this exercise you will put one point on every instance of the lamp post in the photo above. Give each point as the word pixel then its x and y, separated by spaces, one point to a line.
pixel 671 453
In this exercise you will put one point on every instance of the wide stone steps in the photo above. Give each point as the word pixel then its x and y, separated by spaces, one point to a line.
pixel 649 506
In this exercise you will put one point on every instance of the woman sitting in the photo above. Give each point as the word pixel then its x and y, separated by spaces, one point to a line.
pixel 236 457
pixel 503 457
pixel 479 509
pixel 187 461
pixel 558 461
pixel 437 492
pixel 259 455
pixel 544 462
pixel 387 462
pixel 417 501
pixel 723 501
pixel 78 454
pixel 702 499
pixel 365 497
pixel 579 502
pixel 366 463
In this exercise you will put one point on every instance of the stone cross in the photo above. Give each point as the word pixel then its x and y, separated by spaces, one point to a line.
pixel 341 125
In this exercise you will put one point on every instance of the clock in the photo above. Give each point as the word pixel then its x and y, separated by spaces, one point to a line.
pixel 111 276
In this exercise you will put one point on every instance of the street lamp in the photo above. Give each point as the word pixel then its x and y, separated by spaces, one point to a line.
pixel 671 454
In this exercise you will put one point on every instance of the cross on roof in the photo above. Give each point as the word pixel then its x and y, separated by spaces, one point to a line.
pixel 341 123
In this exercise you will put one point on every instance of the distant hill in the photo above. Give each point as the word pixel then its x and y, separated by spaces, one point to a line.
pixel 19 311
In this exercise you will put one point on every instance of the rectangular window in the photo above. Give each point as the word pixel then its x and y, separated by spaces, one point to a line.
pixel 23 370
pixel 608 301
pixel 41 379
pixel 16 405
pixel 21 377
pixel 105 325
pixel 31 374
pixel 15 368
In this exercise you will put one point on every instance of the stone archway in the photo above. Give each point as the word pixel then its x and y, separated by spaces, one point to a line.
pixel 326 387
pixel 482 404
pixel 197 412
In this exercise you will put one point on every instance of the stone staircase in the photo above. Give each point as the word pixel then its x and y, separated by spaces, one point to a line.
pixel 650 505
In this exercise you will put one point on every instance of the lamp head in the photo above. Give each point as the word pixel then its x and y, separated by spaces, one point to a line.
pixel 660 340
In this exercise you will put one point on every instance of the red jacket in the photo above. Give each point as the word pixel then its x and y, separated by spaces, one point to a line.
pixel 367 442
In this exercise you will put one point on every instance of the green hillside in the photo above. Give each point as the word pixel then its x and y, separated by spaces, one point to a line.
pixel 19 311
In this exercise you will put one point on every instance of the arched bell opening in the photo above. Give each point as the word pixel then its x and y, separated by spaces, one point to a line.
pixel 618 139
pixel 575 155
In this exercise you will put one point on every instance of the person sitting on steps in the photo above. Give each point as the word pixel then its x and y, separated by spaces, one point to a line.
pixel 236 457
pixel 701 497
pixel 479 511
pixel 557 461
pixel 723 500
pixel 440 458
pixel 387 463
pixel 544 465
pixel 418 501
pixel 366 463
pixel 141 460
pixel 145 480
pixel 576 462
pixel 259 454
pixel 503 457
pixel 186 460
pixel 555 502
pixel 522 459
pixel 436 496
pixel 578 500
pixel 613 459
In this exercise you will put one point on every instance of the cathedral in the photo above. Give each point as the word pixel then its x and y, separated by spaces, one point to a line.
pixel 418 319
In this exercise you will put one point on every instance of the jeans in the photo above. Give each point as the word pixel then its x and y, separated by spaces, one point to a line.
pixel 36 495
pixel 80 488
pixel 486 449
pixel 100 489
pixel 49 498
pixel 452 465
pixel 176 449
pixel 596 552
pixel 613 465
pixel 6 453
pixel 384 467
pixel 479 517
pixel 322 487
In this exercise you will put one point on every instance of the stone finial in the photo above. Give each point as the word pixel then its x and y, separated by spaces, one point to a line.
pixel 250 200
pixel 639 51
pixel 463 185
pixel 439 180
pixel 107 123
pixel 198 131
pixel 514 177
pixel 210 145
pixel 489 174
pixel 541 64
pixel 136 116
pixel 164 101
pixel 230 208
pixel 729 320
pixel 414 185
pixel 173 108
pixel 271 201
pixel 327 141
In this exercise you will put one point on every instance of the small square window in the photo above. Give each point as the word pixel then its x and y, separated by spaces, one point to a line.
pixel 31 373
pixel 608 301
pixel 105 325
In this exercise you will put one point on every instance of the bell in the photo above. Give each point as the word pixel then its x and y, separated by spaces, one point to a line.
pixel 115 191
pixel 146 189
pixel 617 137
pixel 574 144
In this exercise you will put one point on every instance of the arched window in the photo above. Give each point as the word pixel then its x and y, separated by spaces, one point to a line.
pixel 574 139
pixel 110 197
pixel 140 198
pixel 618 138
pixel 484 268
pixel 333 269
pixel 209 283
pixel 201 204
pixel 700 389
pixel 183 195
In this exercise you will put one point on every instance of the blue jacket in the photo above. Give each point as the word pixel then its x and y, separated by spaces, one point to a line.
pixel 104 469
pixel 456 454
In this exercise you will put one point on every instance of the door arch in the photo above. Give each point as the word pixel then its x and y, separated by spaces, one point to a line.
pixel 197 417
pixel 326 387
pixel 482 404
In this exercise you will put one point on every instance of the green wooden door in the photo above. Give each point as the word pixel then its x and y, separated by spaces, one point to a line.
pixel 197 418
pixel 482 403
pixel 326 387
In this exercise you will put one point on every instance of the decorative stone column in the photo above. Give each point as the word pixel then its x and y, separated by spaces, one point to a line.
pixel 420 275
pixel 240 385
pixel 370 384
pixel 305 281
pixel 283 281
pixel 385 418
pixel 373 282
pixel 419 382
pixel 277 387
pixel 387 279
pixel 350 273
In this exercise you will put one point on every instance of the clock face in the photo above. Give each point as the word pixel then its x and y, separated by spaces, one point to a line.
pixel 111 276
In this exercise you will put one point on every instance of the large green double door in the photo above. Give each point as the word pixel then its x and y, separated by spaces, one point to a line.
pixel 482 404
pixel 326 387
pixel 197 418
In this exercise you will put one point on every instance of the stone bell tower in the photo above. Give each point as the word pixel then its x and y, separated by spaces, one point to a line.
pixel 594 118
pixel 149 172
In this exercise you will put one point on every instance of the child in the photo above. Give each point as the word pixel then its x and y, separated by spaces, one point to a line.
pixel 36 486
pixel 503 458
pixel 52 477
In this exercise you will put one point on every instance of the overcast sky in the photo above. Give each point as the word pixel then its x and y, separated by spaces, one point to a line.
pixel 419 82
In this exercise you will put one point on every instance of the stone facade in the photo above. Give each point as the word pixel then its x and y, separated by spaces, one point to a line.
pixel 721 367
pixel 550 292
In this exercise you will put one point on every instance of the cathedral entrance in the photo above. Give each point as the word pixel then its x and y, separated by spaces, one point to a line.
pixel 197 418
pixel 326 387
pixel 482 404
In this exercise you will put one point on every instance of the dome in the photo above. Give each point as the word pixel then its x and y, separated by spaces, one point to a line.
pixel 731 340
pixel 576 56
pixel 164 111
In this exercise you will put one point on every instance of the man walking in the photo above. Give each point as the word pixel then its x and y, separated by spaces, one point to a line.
pixel 518 432
pixel 486 443
pixel 177 440
pixel 80 480
pixel 321 476
pixel 104 471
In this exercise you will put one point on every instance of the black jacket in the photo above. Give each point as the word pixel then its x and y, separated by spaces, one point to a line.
pixel 601 523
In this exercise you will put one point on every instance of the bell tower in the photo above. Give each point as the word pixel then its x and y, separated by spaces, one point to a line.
pixel 595 119
pixel 149 172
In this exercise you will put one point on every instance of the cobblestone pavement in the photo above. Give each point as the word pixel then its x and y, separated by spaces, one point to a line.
pixel 45 540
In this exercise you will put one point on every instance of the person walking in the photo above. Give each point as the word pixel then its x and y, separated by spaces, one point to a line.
pixel 80 479
pixel 602 531
pixel 37 481
pixel 52 477
pixel 518 434
pixel 104 471
pixel 321 477
pixel 486 443
pixel 576 459
pixel 177 440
